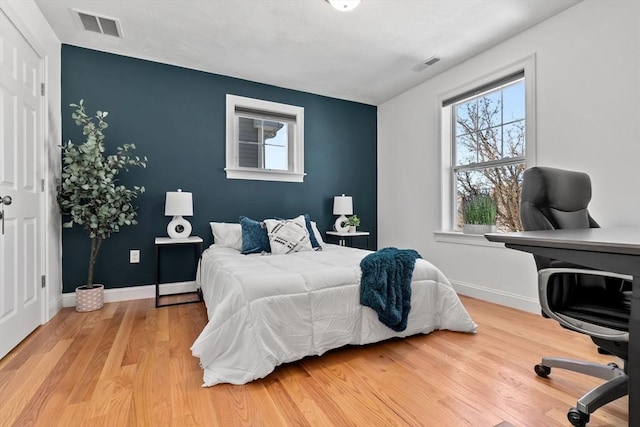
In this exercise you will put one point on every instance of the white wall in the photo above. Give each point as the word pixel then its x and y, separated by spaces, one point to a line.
pixel 588 119
pixel 27 17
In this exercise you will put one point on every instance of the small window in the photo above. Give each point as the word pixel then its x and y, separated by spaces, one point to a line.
pixel 486 132
pixel 265 140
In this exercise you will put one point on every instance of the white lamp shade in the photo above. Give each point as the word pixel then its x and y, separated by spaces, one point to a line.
pixel 342 205
pixel 178 203
pixel 344 5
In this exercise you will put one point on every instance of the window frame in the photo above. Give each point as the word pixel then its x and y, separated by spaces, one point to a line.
pixel 233 170
pixel 448 214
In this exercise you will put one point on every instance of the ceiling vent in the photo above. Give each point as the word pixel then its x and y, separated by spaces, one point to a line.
pixel 424 64
pixel 98 24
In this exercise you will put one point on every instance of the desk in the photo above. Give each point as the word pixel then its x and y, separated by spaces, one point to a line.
pixel 610 249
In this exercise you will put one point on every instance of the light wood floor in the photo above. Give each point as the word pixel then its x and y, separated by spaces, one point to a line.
pixel 129 364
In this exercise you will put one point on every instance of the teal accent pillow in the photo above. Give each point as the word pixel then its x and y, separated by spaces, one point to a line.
pixel 255 239
pixel 312 235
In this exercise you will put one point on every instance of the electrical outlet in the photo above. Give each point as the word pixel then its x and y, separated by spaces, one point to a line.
pixel 134 256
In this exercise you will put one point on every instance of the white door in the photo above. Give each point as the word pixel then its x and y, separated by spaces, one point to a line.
pixel 20 175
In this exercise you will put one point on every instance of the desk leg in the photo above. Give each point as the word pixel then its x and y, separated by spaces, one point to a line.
pixel 634 355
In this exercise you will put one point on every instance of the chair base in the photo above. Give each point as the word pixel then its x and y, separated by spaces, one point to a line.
pixel 617 385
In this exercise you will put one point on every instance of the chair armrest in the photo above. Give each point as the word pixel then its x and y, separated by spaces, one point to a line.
pixel 578 325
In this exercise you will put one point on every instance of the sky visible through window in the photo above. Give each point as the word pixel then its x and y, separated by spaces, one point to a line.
pixel 276 150
pixel 498 128
pixel 490 142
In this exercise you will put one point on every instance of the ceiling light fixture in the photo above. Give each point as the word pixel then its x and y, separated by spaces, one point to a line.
pixel 344 5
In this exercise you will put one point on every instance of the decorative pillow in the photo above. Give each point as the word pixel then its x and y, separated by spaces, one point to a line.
pixel 227 234
pixel 317 234
pixel 312 237
pixel 254 236
pixel 287 236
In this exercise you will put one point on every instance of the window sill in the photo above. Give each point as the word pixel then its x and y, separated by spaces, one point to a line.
pixel 264 175
pixel 459 238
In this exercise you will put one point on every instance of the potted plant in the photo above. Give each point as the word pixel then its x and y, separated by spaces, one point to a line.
pixel 91 196
pixel 353 222
pixel 479 214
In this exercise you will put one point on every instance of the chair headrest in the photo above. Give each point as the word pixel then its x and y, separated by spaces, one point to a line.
pixel 558 189
pixel 555 198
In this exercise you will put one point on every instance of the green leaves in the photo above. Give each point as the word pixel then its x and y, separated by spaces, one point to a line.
pixel 353 220
pixel 89 193
pixel 479 208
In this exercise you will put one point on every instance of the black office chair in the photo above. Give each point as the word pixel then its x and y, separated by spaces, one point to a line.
pixel 588 301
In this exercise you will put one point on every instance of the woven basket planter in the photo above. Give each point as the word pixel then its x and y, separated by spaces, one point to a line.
pixel 89 299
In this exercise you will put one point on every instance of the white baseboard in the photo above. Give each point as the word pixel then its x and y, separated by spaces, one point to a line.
pixel 148 291
pixel 519 302
pixel 135 292
pixel 55 306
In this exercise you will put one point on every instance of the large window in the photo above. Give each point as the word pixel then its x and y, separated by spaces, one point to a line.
pixel 486 131
pixel 264 140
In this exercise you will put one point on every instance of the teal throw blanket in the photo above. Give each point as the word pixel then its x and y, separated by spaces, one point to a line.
pixel 385 285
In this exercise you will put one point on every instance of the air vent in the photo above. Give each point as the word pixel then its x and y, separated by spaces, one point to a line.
pixel 424 64
pixel 98 24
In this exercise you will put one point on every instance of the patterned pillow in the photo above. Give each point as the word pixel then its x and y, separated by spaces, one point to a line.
pixel 287 236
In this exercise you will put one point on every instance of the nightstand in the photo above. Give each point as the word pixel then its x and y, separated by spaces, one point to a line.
pixel 160 242
pixel 346 238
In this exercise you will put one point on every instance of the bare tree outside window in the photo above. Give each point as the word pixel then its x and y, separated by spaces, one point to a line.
pixel 490 150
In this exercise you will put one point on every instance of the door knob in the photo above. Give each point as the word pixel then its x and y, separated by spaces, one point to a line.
pixel 6 200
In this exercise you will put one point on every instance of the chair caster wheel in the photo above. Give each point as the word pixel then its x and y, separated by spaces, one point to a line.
pixel 577 418
pixel 542 371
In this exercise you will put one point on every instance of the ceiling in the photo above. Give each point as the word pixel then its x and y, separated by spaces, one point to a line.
pixel 365 55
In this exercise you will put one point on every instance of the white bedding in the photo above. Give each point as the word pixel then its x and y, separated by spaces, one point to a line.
pixel 267 310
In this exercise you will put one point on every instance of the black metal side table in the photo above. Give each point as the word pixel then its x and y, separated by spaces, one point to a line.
pixel 196 241
pixel 346 238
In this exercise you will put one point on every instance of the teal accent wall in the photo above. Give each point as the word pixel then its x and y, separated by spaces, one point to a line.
pixel 176 117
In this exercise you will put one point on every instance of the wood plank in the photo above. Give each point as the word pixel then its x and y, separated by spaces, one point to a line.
pixel 130 364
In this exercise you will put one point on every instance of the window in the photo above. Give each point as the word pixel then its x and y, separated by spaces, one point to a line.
pixel 487 136
pixel 265 140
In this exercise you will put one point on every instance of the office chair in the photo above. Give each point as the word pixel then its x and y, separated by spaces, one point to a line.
pixel 588 301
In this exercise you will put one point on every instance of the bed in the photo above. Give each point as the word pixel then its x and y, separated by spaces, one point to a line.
pixel 266 310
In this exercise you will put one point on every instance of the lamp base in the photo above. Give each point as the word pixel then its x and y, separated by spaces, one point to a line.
pixel 340 224
pixel 179 228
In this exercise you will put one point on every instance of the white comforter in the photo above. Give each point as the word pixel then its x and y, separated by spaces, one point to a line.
pixel 267 310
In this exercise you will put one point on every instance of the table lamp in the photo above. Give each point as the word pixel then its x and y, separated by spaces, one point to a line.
pixel 342 205
pixel 178 204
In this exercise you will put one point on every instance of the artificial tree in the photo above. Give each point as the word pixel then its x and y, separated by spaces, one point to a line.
pixel 90 193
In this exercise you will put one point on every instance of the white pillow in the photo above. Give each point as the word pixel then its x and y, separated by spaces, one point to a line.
pixel 228 235
pixel 287 236
pixel 316 233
